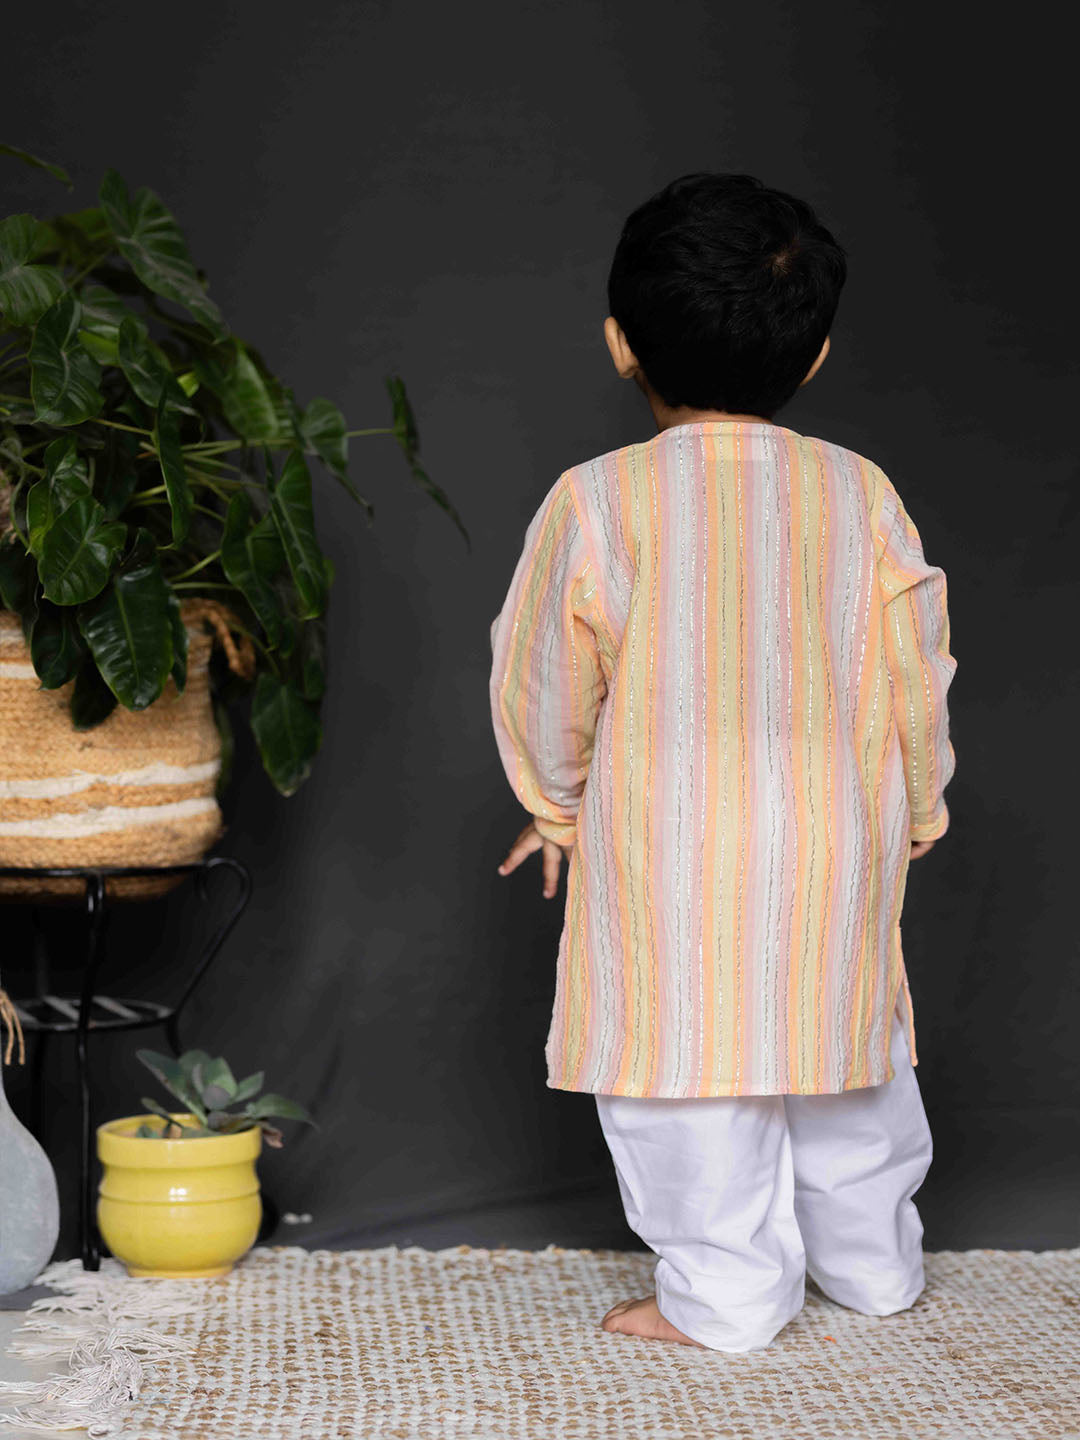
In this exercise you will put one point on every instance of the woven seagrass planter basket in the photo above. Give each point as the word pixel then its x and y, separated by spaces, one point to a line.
pixel 138 789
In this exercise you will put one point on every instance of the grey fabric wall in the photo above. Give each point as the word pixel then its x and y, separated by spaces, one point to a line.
pixel 437 189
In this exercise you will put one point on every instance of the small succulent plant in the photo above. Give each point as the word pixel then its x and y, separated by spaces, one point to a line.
pixel 209 1091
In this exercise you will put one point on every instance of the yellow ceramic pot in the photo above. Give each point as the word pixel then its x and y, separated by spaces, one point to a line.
pixel 181 1208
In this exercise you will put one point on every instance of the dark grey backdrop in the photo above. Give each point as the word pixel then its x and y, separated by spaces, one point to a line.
pixel 438 189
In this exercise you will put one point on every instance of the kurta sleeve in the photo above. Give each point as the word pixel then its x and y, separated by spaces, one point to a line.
pixel 920 666
pixel 547 681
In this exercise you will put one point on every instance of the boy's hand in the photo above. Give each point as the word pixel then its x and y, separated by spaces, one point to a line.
pixel 529 840
pixel 920 847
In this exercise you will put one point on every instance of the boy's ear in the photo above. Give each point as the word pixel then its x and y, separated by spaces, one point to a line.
pixel 622 357
pixel 816 366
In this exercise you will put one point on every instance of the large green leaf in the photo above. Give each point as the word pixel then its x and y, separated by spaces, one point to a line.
pixel 251 555
pixel 26 290
pixel 77 552
pixel 115 475
pixel 129 631
pixel 171 459
pixel 439 495
pixel 63 377
pixel 56 171
pixel 103 312
pixel 64 481
pixel 151 242
pixel 247 401
pixel 56 647
pixel 91 699
pixel 282 399
pixel 80 238
pixel 404 420
pixel 179 642
pixel 323 428
pixel 294 520
pixel 18 576
pixel 63 463
pixel 210 368
pixel 409 439
pixel 286 593
pixel 146 367
pixel 312 658
pixel 99 347
pixel 287 732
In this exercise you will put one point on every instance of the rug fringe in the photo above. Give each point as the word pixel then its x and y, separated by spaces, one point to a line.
pixel 95 1324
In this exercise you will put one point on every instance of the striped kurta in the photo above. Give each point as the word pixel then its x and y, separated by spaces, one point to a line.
pixel 720 675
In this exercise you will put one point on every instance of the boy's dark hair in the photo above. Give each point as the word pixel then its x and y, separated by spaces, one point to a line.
pixel 725 291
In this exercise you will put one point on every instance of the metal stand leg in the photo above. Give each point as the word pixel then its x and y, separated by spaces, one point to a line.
pixel 172 1032
pixel 50 1014
pixel 95 914
pixel 41 1044
pixel 37 1085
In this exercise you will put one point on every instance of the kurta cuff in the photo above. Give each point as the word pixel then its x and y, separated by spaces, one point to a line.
pixel 932 829
pixel 561 833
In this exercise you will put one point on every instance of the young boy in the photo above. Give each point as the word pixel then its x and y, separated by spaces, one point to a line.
pixel 719 686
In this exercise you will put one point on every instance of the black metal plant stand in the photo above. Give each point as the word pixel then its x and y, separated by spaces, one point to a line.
pixel 49 1014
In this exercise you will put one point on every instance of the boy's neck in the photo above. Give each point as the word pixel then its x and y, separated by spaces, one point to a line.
pixel 666 415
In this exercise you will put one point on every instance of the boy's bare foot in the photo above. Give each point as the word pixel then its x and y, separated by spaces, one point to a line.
pixel 642 1317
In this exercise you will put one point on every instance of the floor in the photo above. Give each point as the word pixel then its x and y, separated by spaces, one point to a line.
pixel 1008 1214
pixel 582 1220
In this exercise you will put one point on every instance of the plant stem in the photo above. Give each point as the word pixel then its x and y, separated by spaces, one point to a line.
pixel 226 465
pixel 116 425
pixel 82 274
pixel 209 482
pixel 191 331
pixel 18 460
pixel 378 430
pixel 201 585
pixel 149 497
pixel 206 477
pixel 37 445
pixel 207 560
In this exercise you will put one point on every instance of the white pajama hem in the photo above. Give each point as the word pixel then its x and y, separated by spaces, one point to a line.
pixel 742 1197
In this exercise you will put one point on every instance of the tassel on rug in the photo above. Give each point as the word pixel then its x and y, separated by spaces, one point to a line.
pixel 99 1323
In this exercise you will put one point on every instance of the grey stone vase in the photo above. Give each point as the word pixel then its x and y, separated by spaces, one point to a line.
pixel 29 1203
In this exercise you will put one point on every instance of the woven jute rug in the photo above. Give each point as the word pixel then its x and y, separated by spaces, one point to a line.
pixel 412 1344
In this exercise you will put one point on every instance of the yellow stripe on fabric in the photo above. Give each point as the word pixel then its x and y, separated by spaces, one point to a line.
pixel 709 1061
pixel 651 901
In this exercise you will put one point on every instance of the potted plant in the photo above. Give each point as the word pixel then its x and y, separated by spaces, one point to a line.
pixel 179 1193
pixel 155 495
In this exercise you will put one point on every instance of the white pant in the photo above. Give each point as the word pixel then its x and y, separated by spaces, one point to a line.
pixel 741 1197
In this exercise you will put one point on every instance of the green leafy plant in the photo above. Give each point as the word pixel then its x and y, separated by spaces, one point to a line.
pixel 148 455
pixel 210 1092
